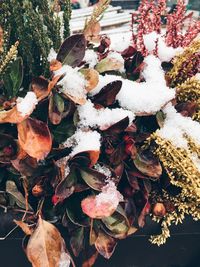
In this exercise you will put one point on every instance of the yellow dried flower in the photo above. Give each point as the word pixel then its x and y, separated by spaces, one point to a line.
pixel 10 56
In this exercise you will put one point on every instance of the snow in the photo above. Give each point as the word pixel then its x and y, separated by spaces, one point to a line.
pixel 90 58
pixel 165 53
pixel 109 194
pixel 83 141
pixel 176 127
pixel 103 169
pixel 144 97
pixel 52 55
pixel 73 83
pixel 150 40
pixel 153 71
pixel 121 41
pixel 102 118
pixel 27 104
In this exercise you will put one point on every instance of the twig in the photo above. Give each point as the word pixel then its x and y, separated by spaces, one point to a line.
pixel 3 238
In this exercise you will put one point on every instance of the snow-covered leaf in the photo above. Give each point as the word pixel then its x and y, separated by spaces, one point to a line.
pixel 46 247
pixel 92 78
pixel 107 95
pixel 108 64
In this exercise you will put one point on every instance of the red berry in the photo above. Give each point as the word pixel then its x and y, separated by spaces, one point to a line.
pixel 55 199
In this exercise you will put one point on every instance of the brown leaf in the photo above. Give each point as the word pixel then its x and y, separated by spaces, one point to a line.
pixel 25 227
pixel 12 116
pixel 55 65
pixel 91 261
pixel 39 86
pixel 46 247
pixel 92 78
pixel 105 244
pixel 34 138
pixel 108 93
pixel 72 50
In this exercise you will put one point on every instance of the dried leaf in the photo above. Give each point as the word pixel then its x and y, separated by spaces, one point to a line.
pixel 105 244
pixel 92 78
pixel 92 32
pixel 72 51
pixel 12 116
pixel 34 138
pixel 46 247
pixel 91 261
pixel 108 93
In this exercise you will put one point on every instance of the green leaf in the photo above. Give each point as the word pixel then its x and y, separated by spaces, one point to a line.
pixel 93 178
pixel 63 131
pixel 117 223
pixel 13 78
pixel 59 103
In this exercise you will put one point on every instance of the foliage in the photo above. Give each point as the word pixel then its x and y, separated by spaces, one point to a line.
pixel 95 178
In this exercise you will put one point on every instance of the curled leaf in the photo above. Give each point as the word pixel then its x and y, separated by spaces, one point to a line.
pixel 34 138
pixel 46 247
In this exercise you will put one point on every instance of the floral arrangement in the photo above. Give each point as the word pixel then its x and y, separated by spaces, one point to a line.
pixel 104 138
